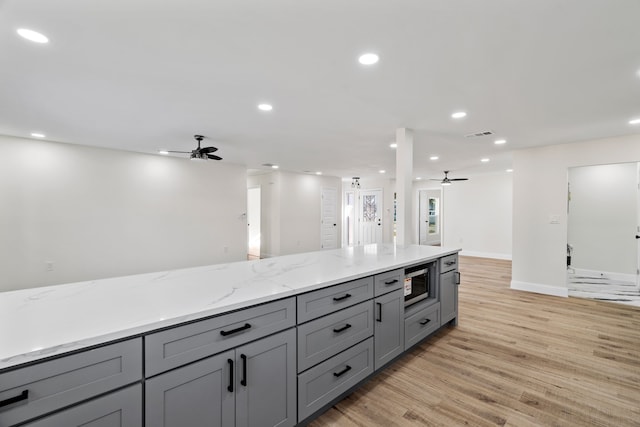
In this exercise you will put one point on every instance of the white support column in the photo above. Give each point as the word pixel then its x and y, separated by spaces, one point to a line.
pixel 404 185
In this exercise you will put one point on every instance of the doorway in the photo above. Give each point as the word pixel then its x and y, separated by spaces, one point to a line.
pixel 329 218
pixel 362 217
pixel 430 217
pixel 253 223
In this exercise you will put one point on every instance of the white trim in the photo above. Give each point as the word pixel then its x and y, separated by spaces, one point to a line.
pixel 538 288
pixel 485 254
pixel 624 277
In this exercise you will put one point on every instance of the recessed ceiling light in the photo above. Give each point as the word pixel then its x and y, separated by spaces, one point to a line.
pixel 265 107
pixel 37 135
pixel 382 171
pixel 33 36
pixel 500 141
pixel 459 115
pixel 434 158
pixel 368 59
pixel 274 166
pixel 485 160
pixel 163 152
pixel 634 122
pixel 509 170
pixel 418 178
pixel 393 145
pixel 318 173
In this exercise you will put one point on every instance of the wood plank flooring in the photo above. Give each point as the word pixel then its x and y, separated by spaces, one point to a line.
pixel 515 359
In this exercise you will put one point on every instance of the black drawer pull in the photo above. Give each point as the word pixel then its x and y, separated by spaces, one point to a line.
pixel 344 328
pixel 341 373
pixel 236 330
pixel 243 381
pixel 457 276
pixel 379 318
pixel 450 263
pixel 22 396
pixel 391 282
pixel 345 296
pixel 425 321
pixel 230 386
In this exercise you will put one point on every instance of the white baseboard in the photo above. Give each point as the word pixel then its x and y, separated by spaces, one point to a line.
pixel 486 255
pixel 538 288
pixel 605 274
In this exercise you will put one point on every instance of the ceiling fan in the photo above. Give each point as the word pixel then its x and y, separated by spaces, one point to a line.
pixel 203 153
pixel 447 180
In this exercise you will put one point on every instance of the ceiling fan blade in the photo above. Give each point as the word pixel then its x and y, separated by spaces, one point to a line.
pixel 181 152
pixel 458 179
pixel 214 157
pixel 208 150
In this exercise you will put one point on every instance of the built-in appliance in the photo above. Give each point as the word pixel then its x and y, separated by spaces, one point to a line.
pixel 419 283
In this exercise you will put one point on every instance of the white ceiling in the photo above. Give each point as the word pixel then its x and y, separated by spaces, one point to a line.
pixel 142 75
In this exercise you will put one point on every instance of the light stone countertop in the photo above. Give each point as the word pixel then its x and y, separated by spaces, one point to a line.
pixel 41 322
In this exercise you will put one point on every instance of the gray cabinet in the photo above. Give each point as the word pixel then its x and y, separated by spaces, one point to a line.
pixel 449 282
pixel 252 385
pixel 195 395
pixel 388 327
pixel 421 323
pixel 266 382
pixel 49 386
pixel 122 408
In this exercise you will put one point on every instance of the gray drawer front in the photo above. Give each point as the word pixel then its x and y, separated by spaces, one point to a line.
pixel 389 281
pixel 69 379
pixel 324 301
pixel 323 383
pixel 120 409
pixel 421 324
pixel 329 335
pixel 448 263
pixel 184 344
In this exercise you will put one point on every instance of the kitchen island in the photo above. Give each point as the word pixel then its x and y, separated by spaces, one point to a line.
pixel 302 315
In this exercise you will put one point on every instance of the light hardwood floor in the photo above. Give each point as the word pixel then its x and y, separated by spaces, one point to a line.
pixel 515 359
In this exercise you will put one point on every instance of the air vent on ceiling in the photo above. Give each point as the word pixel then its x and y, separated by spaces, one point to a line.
pixel 477 134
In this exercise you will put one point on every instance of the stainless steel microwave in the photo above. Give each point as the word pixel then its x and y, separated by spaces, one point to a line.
pixel 419 283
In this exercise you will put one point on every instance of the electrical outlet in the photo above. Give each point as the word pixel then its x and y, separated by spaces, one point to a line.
pixel 554 219
pixel 48 265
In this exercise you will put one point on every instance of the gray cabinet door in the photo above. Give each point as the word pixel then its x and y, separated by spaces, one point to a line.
pixel 266 382
pixel 196 395
pixel 119 409
pixel 388 327
pixel 449 296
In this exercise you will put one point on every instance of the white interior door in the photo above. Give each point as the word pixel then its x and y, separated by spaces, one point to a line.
pixel 329 218
pixel 430 214
pixel 638 225
pixel 253 222
pixel 370 217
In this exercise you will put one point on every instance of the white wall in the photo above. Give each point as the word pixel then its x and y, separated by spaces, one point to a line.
pixel 603 217
pixel 291 211
pixel 478 215
pixel 98 213
pixel 539 192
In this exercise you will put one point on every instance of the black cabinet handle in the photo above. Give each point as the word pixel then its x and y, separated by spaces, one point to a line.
pixel 425 321
pixel 230 386
pixel 379 318
pixel 344 328
pixel 243 381
pixel 22 396
pixel 236 330
pixel 343 297
pixel 448 263
pixel 391 282
pixel 457 278
pixel 341 373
